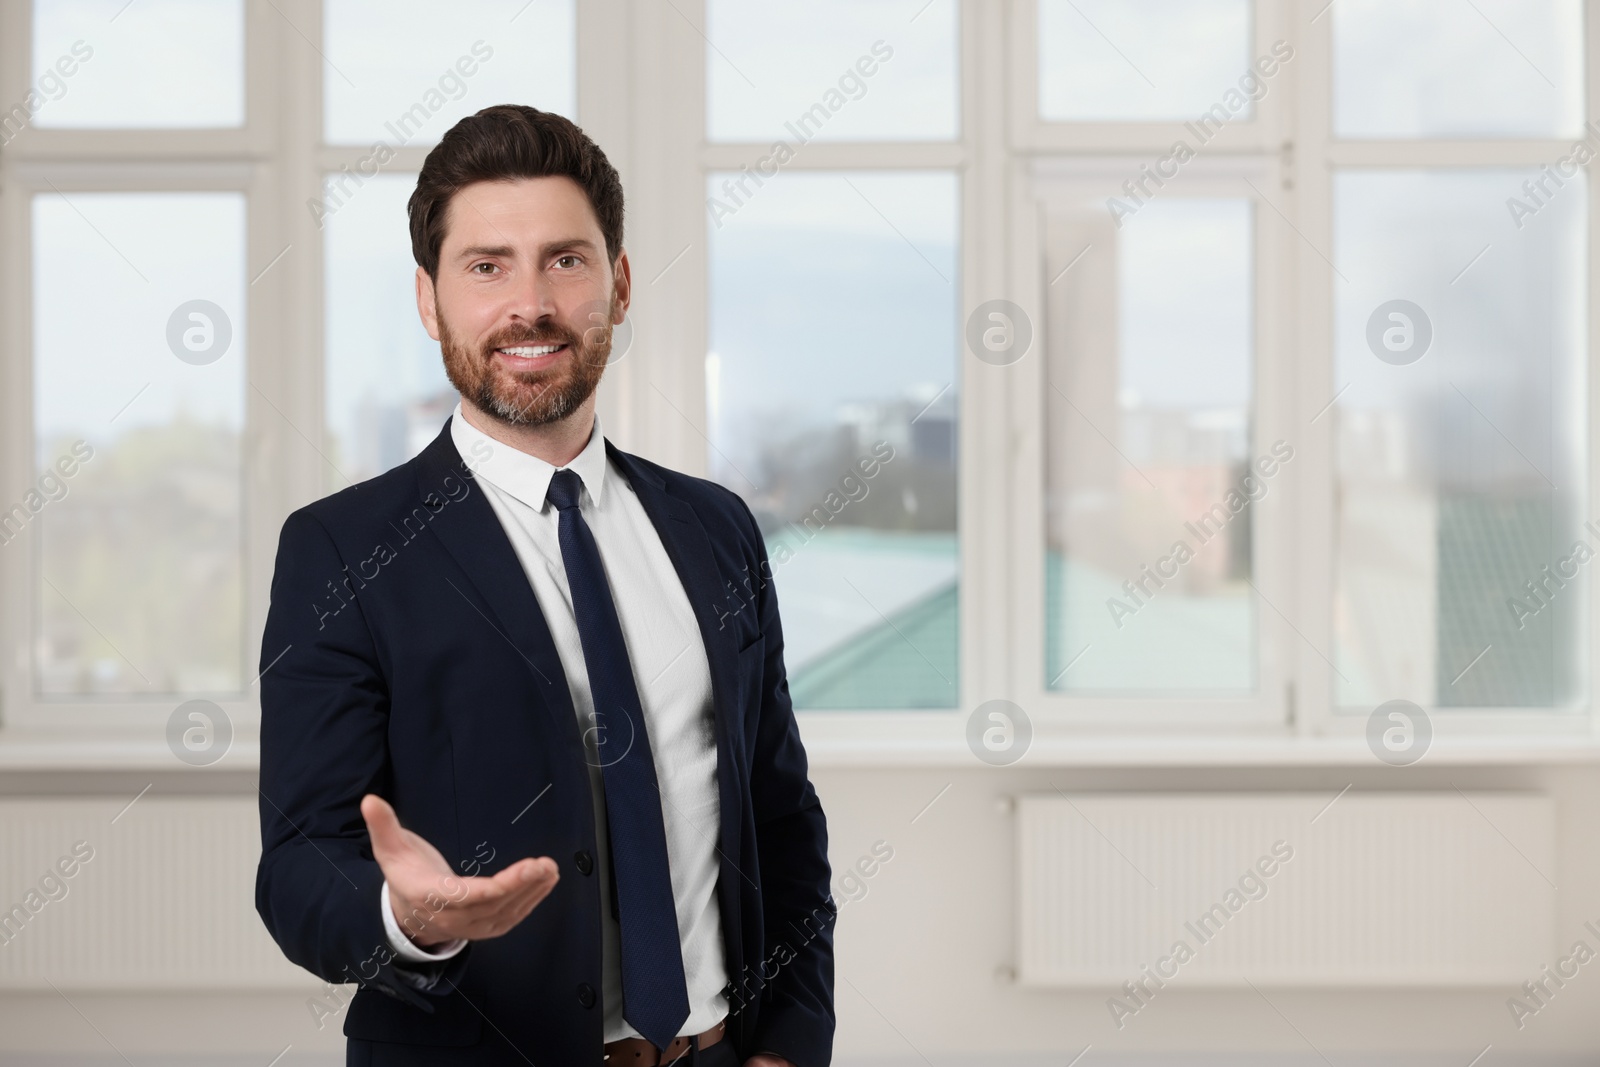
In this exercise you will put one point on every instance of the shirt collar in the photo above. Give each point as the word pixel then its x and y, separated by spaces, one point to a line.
pixel 523 476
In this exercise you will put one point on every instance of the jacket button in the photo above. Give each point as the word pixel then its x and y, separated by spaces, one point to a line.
pixel 585 862
pixel 586 994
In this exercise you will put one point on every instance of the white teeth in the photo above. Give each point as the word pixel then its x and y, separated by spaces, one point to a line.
pixel 530 350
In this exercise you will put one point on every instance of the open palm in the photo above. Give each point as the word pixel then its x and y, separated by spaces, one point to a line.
pixel 432 903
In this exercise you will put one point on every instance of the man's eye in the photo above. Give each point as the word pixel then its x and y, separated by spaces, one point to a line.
pixel 475 267
pixel 564 259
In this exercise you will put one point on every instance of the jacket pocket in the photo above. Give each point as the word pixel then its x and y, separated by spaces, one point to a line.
pixel 375 1016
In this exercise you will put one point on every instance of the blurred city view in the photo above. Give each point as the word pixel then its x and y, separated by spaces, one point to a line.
pixel 140 560
pixel 831 332
pixel 891 537
pixel 1150 356
pixel 1461 473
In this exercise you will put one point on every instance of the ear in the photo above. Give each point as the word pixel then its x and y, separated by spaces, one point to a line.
pixel 624 283
pixel 427 304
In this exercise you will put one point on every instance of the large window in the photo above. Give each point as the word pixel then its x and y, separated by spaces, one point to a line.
pixel 832 380
pixel 1210 363
pixel 138 410
pixel 1313 390
pixel 1161 483
pixel 124 534
pixel 831 395
pixel 1461 441
pixel 1149 485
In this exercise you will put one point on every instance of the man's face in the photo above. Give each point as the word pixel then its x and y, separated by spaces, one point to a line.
pixel 525 298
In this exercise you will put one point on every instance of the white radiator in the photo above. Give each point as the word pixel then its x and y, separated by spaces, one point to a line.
pixel 167 900
pixel 1395 889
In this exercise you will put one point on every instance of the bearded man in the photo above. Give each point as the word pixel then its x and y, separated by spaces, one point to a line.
pixel 530 777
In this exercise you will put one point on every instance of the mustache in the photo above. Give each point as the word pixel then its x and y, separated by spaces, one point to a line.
pixel 512 340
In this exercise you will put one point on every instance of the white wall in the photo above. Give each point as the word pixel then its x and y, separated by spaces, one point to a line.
pixel 923 953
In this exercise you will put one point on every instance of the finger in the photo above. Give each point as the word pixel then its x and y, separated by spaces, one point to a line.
pixel 494 904
pixel 527 871
pixel 536 899
pixel 507 890
pixel 515 908
pixel 493 923
pixel 484 895
pixel 507 884
pixel 388 838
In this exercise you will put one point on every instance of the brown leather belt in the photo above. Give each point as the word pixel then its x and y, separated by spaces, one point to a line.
pixel 637 1052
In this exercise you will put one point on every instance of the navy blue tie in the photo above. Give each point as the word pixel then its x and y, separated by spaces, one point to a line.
pixel 655 996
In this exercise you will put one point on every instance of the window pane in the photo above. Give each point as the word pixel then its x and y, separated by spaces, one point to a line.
pixel 154 64
pixel 139 354
pixel 1144 60
pixel 831 403
pixel 1491 68
pixel 404 71
pixel 1148 408
pixel 830 70
pixel 1460 433
pixel 387 394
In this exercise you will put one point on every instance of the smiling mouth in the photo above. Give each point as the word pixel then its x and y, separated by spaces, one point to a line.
pixel 530 355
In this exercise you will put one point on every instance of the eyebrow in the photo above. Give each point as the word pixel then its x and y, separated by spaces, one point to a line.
pixel 507 252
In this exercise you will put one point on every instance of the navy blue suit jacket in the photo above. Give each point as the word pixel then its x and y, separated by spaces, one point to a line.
pixel 416 664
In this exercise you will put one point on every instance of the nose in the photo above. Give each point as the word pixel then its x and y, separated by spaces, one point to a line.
pixel 533 300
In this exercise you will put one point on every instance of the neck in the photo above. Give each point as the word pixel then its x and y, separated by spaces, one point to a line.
pixel 557 443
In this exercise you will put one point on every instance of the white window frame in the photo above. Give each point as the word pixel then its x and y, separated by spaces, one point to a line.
pixel 1055 158
pixel 1321 154
pixel 1290 143
pixel 42 160
pixel 980 498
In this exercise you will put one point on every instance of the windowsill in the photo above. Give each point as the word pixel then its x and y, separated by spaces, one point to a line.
pixel 1170 750
pixel 33 750
pixel 39 750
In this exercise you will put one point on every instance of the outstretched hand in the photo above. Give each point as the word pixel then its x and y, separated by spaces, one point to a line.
pixel 432 903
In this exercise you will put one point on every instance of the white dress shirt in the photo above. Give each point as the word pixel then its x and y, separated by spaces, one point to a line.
pixel 674 683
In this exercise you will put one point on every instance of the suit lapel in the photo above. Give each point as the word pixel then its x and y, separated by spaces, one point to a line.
pixel 497 585
pixel 471 532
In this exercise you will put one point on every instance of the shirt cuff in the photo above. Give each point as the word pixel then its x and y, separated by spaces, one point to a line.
pixel 403 946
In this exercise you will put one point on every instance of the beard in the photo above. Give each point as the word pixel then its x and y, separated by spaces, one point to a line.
pixel 531 398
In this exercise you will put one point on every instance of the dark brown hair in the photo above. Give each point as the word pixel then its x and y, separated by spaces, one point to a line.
pixel 505 142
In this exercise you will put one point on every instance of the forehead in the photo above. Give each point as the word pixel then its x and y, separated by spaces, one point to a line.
pixel 519 209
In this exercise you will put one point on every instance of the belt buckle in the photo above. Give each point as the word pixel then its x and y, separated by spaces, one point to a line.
pixel 690 1042
pixel 639 1058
